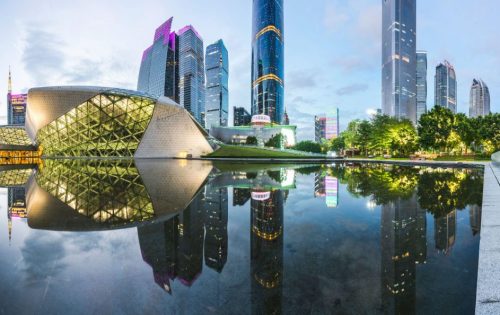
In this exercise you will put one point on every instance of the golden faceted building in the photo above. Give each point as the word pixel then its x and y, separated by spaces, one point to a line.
pixel 107 122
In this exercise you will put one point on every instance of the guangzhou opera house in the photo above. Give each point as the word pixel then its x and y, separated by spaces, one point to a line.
pixel 108 122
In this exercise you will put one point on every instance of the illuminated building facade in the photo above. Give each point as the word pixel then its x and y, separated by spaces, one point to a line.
pixel 399 65
pixel 326 127
pixel 16 106
pixel 421 83
pixel 445 86
pixel 239 134
pixel 217 93
pixel 479 99
pixel 159 72
pixel 268 59
pixel 107 122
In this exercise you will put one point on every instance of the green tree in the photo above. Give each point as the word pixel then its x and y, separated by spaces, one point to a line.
pixel 435 128
pixel 276 141
pixel 380 140
pixel 488 132
pixel 363 133
pixel 464 128
pixel 337 144
pixel 308 146
pixel 251 140
pixel 403 138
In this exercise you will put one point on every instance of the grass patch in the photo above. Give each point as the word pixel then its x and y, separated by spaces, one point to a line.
pixel 235 151
pixel 462 158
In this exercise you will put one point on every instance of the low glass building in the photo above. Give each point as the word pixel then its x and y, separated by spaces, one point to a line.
pixel 239 134
pixel 107 122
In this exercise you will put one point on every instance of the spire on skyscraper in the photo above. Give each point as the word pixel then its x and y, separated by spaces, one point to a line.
pixel 10 82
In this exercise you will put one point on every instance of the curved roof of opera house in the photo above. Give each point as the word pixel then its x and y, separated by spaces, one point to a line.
pixel 92 121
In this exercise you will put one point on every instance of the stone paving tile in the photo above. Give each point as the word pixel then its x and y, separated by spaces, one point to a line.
pixel 488 278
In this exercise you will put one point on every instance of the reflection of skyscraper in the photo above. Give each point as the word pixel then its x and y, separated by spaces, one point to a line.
pixel 444 231
pixel 267 252
pixel 175 248
pixel 475 218
pixel 332 191
pixel 421 236
pixel 319 185
pixel 191 241
pixel 401 232
pixel 240 196
pixel 158 244
pixel 16 205
pixel 216 208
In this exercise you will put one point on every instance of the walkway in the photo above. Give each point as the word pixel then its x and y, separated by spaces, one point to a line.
pixel 488 278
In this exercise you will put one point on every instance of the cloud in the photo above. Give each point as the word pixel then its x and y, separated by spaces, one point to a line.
pixel 352 89
pixel 42 256
pixel 350 64
pixel 299 79
pixel 49 60
pixel 335 19
pixel 42 56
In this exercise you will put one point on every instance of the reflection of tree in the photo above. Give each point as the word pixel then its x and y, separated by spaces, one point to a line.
pixel 442 191
pixel 386 184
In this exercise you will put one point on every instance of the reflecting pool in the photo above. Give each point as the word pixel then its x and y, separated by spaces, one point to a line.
pixel 192 237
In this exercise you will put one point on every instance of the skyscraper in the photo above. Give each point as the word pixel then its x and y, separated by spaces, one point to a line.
pixel 445 86
pixel 217 98
pixel 268 59
pixel 16 106
pixel 159 72
pixel 191 72
pixel 479 99
pixel 421 83
pixel 241 116
pixel 399 65
pixel 326 127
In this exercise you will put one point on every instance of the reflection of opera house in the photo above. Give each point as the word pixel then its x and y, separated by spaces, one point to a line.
pixel 106 122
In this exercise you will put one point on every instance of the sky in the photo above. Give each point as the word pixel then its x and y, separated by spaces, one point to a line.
pixel 332 47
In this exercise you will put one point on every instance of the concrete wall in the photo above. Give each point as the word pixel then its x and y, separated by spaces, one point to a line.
pixel 172 132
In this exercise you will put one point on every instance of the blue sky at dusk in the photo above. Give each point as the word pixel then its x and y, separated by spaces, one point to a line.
pixel 332 48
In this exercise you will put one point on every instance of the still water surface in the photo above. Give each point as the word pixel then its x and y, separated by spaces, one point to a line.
pixel 179 237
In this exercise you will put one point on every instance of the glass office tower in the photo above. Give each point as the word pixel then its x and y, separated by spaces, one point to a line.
pixel 159 72
pixel 217 98
pixel 16 106
pixel 479 99
pixel 241 116
pixel 421 83
pixel 399 65
pixel 268 59
pixel 192 72
pixel 445 86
